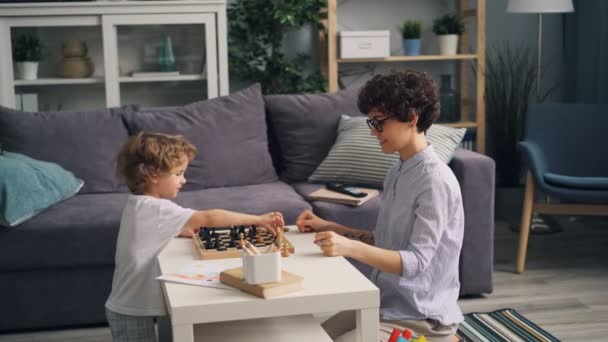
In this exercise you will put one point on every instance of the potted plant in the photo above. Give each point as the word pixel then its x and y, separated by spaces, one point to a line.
pixel 448 29
pixel 27 52
pixel 410 31
pixel 255 44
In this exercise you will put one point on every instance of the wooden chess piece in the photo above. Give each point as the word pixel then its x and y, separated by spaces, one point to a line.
pixel 242 240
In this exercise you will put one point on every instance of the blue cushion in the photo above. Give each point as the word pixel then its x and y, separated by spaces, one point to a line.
pixel 28 186
pixel 591 183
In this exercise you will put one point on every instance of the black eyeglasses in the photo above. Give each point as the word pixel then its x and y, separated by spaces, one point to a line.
pixel 377 124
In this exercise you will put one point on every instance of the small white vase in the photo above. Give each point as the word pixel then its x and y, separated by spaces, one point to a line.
pixel 27 70
pixel 448 44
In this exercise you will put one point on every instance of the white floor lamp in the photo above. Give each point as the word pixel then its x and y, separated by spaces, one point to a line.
pixel 540 7
pixel 538 225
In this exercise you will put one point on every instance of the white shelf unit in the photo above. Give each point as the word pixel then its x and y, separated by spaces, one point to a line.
pixel 59 81
pixel 331 62
pixel 178 78
pixel 108 18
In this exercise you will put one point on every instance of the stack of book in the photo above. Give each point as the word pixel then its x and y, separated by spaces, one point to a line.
pixel 326 195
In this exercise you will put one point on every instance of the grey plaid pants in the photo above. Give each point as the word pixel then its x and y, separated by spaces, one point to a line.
pixel 127 328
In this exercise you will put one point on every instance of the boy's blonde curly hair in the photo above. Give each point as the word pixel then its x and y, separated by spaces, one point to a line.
pixel 148 155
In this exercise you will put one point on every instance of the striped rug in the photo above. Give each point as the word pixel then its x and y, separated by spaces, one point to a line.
pixel 501 325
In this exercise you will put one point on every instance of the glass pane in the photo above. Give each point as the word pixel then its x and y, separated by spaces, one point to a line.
pixel 83 54
pixel 65 97
pixel 70 73
pixel 161 48
pixel 158 94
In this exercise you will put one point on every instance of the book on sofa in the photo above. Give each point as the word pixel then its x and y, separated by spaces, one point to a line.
pixel 327 195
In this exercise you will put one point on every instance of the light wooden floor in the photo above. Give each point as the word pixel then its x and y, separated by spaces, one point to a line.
pixel 564 289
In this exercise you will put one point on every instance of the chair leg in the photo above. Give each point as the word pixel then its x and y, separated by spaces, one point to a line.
pixel 526 220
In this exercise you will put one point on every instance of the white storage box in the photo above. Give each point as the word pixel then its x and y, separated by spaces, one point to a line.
pixel 364 44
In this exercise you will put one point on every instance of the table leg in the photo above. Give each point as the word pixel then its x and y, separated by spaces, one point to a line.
pixel 368 324
pixel 183 333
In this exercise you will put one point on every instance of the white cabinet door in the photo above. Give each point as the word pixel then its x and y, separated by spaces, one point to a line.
pixel 135 58
pixel 50 87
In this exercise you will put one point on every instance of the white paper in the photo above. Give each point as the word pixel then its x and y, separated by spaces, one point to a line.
pixel 203 273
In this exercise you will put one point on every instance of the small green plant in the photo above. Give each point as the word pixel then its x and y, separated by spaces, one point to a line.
pixel 411 29
pixel 27 48
pixel 448 24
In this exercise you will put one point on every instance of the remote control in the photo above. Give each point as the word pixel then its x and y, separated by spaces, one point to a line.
pixel 347 190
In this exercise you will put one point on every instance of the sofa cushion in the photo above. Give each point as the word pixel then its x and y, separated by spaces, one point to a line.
pixel 305 128
pixel 357 158
pixel 84 143
pixel 28 186
pixel 229 133
pixel 79 231
pixel 251 199
pixel 588 183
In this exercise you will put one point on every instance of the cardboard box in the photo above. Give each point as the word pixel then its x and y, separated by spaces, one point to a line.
pixel 365 44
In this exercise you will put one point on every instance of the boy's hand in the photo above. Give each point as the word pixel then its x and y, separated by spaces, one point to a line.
pixel 309 222
pixel 272 220
pixel 188 232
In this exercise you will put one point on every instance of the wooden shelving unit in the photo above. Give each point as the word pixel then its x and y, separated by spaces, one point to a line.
pixel 330 64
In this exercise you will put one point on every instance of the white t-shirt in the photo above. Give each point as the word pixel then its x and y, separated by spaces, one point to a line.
pixel 147 225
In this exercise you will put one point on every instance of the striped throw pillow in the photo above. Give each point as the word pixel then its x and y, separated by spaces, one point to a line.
pixel 356 157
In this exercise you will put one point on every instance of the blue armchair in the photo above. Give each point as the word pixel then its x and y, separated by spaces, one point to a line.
pixel 566 149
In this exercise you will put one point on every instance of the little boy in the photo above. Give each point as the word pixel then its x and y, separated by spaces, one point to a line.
pixel 153 166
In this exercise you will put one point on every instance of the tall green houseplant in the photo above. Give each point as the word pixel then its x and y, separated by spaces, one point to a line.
pixel 510 78
pixel 257 29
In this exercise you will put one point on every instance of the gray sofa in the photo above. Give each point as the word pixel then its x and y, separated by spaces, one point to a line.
pixel 255 154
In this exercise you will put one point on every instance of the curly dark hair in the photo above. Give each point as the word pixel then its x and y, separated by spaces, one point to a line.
pixel 150 154
pixel 401 94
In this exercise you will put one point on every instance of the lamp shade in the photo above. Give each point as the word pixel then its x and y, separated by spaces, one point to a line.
pixel 540 6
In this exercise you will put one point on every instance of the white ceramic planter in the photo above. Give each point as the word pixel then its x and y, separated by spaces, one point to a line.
pixel 27 71
pixel 448 44
pixel 262 269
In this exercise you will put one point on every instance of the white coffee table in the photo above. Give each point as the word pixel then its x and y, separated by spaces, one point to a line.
pixel 331 284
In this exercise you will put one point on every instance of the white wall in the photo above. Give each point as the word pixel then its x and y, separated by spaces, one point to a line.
pixel 519 27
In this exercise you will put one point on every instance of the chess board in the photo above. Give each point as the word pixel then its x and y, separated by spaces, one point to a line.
pixel 224 242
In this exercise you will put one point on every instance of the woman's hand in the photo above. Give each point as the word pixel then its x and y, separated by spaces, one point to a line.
pixel 309 222
pixel 272 220
pixel 334 244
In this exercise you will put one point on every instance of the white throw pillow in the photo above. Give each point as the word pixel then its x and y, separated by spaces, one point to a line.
pixel 356 157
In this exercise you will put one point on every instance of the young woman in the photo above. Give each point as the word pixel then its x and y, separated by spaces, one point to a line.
pixel 415 246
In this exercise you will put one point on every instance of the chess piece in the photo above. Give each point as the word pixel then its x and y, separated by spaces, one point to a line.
pixel 208 243
pixel 217 242
pixel 241 239
pixel 75 62
pixel 284 250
